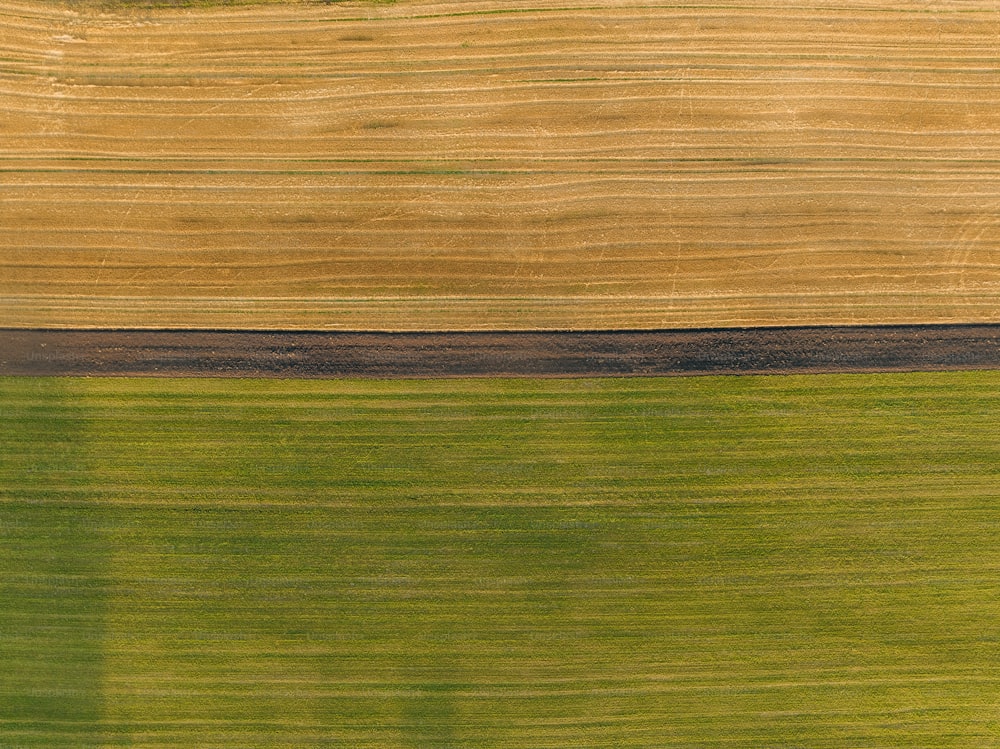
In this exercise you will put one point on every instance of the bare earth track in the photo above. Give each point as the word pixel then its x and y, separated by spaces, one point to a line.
pixel 579 353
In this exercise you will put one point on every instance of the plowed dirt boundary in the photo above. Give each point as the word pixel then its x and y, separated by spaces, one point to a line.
pixel 537 354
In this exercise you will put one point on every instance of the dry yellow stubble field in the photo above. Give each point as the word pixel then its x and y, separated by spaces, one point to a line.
pixel 498 164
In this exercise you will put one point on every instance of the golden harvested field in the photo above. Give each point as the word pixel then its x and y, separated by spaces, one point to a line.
pixel 498 164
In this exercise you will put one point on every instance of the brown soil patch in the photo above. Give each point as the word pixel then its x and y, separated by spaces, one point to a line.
pixel 665 352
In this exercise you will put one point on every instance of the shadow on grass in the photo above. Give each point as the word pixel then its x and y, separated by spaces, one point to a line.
pixel 52 571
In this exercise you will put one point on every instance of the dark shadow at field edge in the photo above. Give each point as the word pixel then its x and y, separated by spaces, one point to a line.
pixel 53 571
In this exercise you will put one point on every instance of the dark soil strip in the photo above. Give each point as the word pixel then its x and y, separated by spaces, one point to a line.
pixel 537 354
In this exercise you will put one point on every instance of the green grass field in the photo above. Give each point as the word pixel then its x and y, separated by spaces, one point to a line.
pixel 760 561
